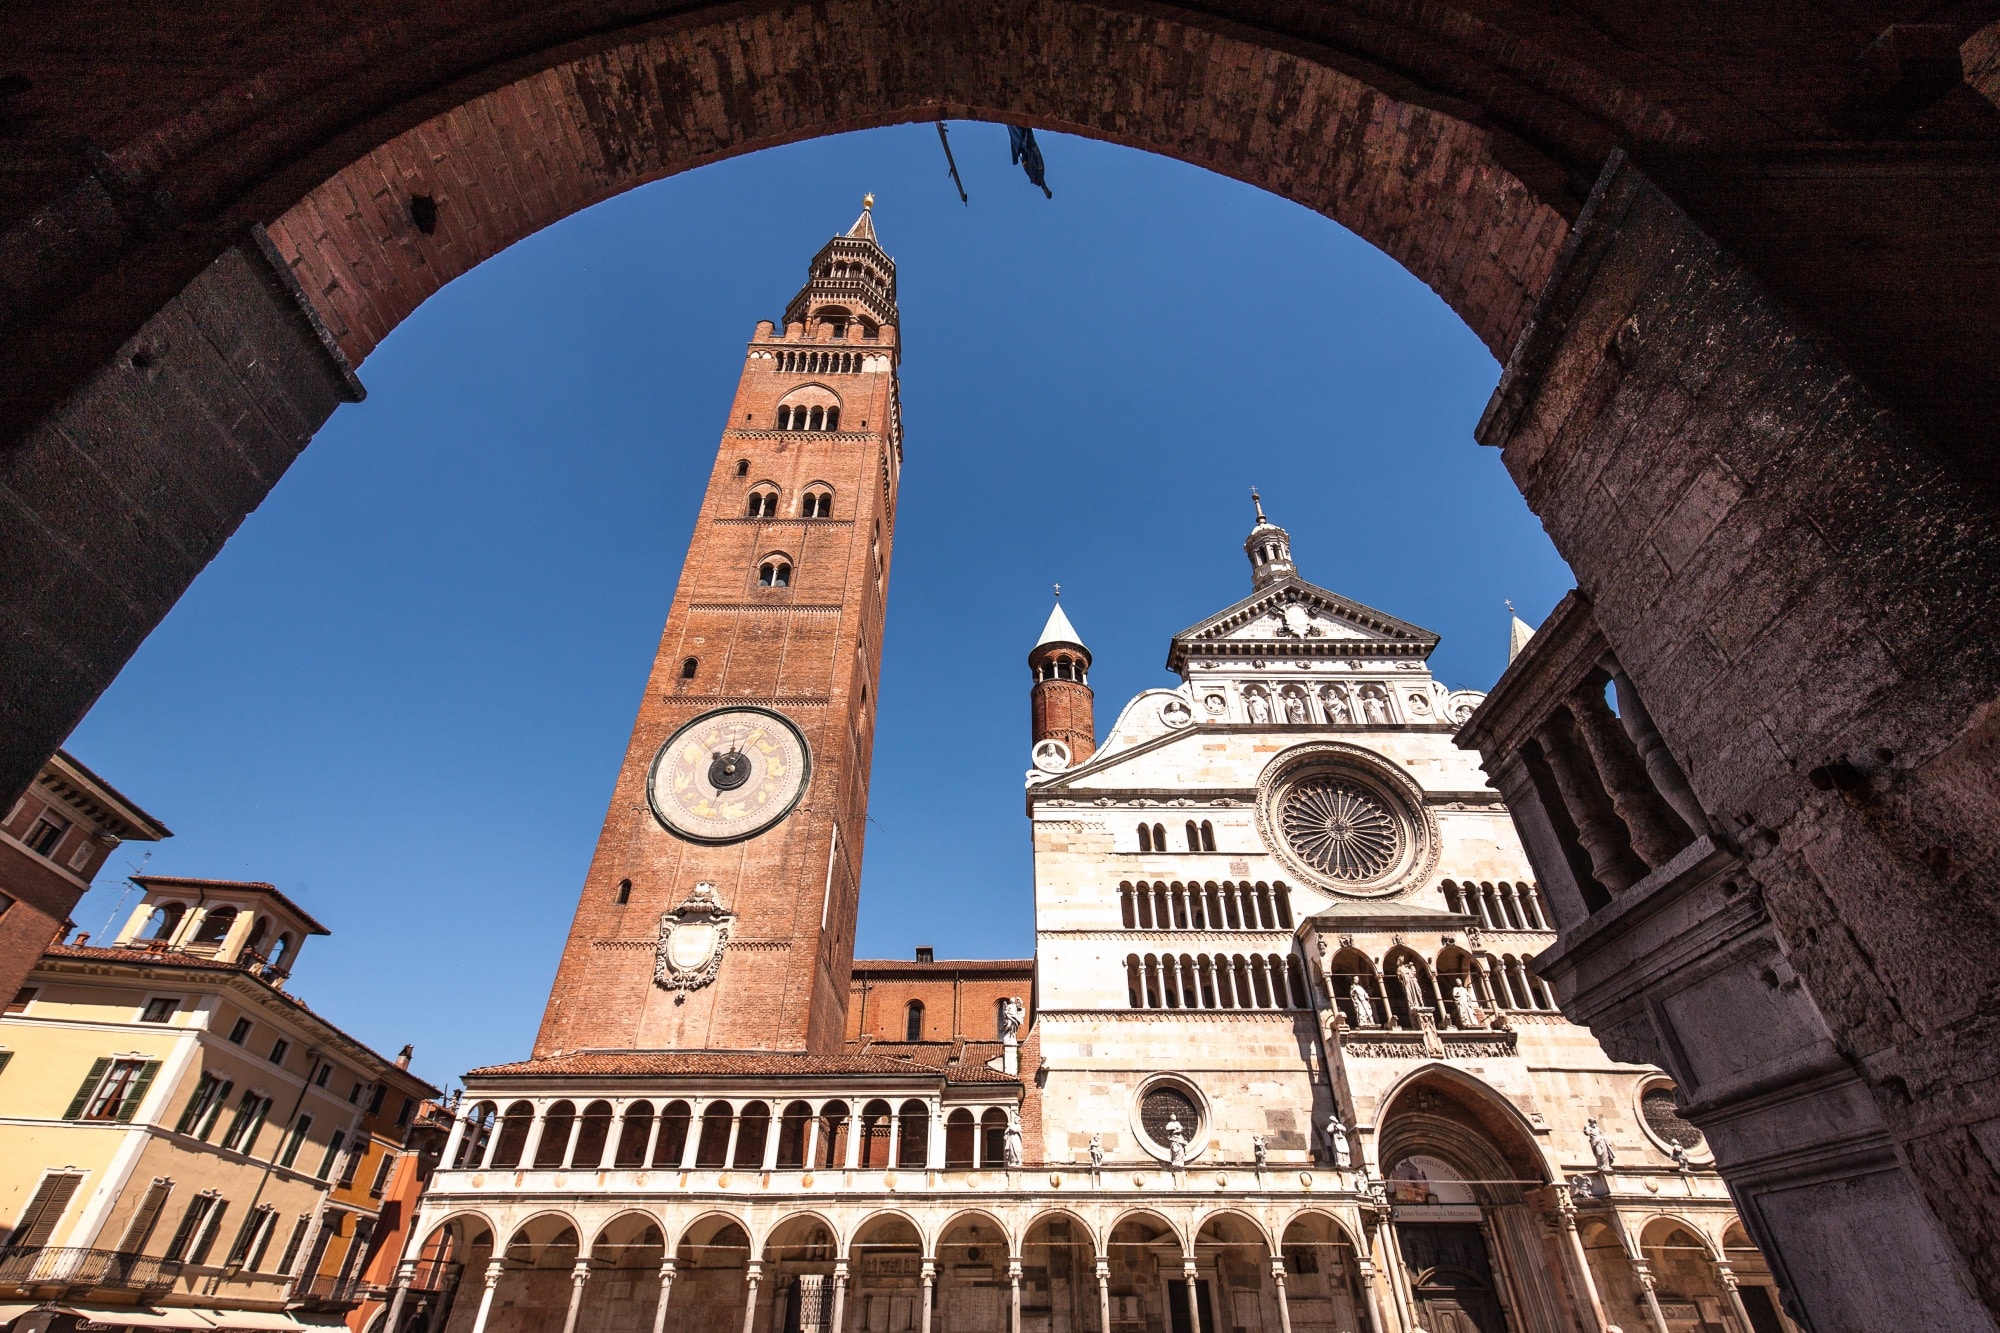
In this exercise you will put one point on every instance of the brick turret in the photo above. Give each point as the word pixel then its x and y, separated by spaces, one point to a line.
pixel 1060 701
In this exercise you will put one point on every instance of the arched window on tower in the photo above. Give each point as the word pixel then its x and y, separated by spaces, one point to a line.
pixel 1193 836
pixel 775 573
pixel 814 416
pixel 1207 836
pixel 1145 838
pixel 913 1021
pixel 818 503
pixel 833 418
pixel 689 666
pixel 1159 838
pixel 742 467
pixel 784 418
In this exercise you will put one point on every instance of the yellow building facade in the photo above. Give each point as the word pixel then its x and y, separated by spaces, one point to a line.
pixel 173 1122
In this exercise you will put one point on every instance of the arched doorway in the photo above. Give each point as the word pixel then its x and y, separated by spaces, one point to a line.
pixel 1464 1184
pixel 799 1275
pixel 885 1291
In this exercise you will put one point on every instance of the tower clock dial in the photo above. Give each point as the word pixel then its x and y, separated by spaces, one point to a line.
pixel 728 775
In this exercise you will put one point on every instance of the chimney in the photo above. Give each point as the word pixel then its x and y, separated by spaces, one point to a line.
pixel 403 1056
pixel 926 954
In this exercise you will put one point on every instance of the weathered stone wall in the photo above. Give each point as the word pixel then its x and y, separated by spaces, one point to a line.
pixel 1793 581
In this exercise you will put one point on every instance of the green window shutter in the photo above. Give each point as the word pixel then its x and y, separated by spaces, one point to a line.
pixel 215 1108
pixel 196 1104
pixel 90 1082
pixel 208 1233
pixel 137 1092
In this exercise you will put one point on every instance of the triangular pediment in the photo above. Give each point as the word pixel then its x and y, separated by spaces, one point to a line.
pixel 1294 618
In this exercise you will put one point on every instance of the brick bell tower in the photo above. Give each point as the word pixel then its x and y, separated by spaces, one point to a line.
pixel 719 909
pixel 1060 703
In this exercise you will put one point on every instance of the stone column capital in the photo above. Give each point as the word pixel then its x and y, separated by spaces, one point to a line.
pixel 667 1270
pixel 493 1272
pixel 929 1272
pixel 580 1274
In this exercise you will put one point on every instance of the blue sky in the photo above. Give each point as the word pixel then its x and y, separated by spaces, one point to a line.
pixel 403 690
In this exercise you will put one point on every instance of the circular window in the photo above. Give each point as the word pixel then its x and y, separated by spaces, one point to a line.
pixel 1340 829
pixel 1163 1103
pixel 1346 820
pixel 1663 1118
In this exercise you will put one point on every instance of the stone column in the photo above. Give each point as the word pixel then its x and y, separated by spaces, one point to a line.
pixel 1014 1299
pixel 853 1140
pixel 1598 827
pixel 614 1136
pixel 934 1150
pixel 895 1138
pixel 1284 1306
pixel 1103 1295
pixel 1645 1276
pixel 493 1138
pixel 407 1271
pixel 652 1140
pixel 578 1277
pixel 666 1290
pixel 691 1147
pixel 774 1134
pixel 458 1126
pixel 839 1291
pixel 930 1289
pixel 493 1272
pixel 1504 1289
pixel 812 1141
pixel 1566 1218
pixel 1661 765
pixel 1657 832
pixel 1722 1271
pixel 729 1147
pixel 1392 1273
pixel 533 1143
pixel 1370 1298
pixel 1194 1297
pixel 750 1277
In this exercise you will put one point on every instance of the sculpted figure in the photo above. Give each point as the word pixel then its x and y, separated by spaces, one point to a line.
pixel 1600 1147
pixel 1011 1144
pixel 1096 1152
pixel 1261 1153
pixel 1011 1016
pixel 1259 710
pixel 1413 991
pixel 1336 1138
pixel 1464 1005
pixel 1364 1007
pixel 1176 1142
pixel 1378 710
pixel 1295 708
pixel 1681 1160
pixel 1336 706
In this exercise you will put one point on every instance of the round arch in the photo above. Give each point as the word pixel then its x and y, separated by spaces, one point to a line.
pixel 1089 1233
pixel 1657 1229
pixel 1232 1218
pixel 885 1219
pixel 1149 1217
pixel 1494 1109
pixel 936 1238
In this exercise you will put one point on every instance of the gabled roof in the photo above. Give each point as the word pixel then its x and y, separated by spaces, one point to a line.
pixel 1365 632
pixel 864 226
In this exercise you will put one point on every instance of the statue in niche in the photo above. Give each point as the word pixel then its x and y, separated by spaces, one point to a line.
pixel 1377 707
pixel 1010 1148
pixel 1177 1143
pixel 1419 705
pixel 1364 1006
pixel 1682 1162
pixel 1336 707
pixel 1295 708
pixel 1259 710
pixel 1260 1151
pixel 1096 1152
pixel 1011 1015
pixel 1336 1142
pixel 1600 1147
pixel 1464 1005
pixel 1413 990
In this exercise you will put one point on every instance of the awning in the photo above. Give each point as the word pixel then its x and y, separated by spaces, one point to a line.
pixel 260 1321
pixel 12 1310
pixel 139 1316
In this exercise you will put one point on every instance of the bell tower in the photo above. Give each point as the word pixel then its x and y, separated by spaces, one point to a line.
pixel 1060 700
pixel 718 912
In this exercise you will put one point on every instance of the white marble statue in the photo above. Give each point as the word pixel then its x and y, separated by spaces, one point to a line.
pixel 1682 1161
pixel 1336 706
pixel 1096 1152
pixel 1378 709
pixel 1259 710
pixel 1336 1138
pixel 1364 1007
pixel 1011 1144
pixel 1600 1147
pixel 1260 1151
pixel 1177 1144
pixel 1413 991
pixel 1295 708
pixel 1012 1013
pixel 1464 1005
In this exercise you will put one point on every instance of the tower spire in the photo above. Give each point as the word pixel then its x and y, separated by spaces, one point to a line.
pixel 1269 548
pixel 1060 702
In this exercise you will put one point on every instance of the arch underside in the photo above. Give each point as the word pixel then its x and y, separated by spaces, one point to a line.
pixel 1426 187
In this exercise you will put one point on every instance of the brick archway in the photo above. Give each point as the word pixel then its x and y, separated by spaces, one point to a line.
pixel 1427 187
pixel 1750 387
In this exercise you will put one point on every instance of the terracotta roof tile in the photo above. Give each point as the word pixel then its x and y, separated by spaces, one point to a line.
pixel 1024 966
pixel 734 1064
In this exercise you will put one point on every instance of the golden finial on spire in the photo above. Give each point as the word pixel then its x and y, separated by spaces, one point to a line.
pixel 1258 500
pixel 1510 606
pixel 868 200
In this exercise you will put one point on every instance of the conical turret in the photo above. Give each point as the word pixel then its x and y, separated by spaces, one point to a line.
pixel 1269 548
pixel 1060 702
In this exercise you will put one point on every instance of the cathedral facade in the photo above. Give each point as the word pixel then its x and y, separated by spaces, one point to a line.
pixel 1281 1062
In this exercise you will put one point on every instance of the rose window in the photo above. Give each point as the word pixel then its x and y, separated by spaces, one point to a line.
pixel 1664 1118
pixel 1341 830
pixel 1163 1103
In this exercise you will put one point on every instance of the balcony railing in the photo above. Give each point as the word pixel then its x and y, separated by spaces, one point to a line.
pixel 70 1267
pixel 333 1289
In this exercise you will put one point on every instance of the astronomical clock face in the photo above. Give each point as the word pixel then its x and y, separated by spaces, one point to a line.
pixel 728 775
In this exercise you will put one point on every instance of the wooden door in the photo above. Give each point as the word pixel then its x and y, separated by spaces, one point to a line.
pixel 1451 1277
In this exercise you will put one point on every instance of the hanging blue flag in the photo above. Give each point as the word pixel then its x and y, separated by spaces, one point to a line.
pixel 1021 142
